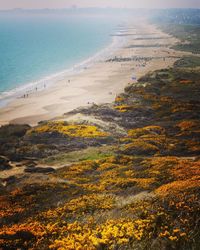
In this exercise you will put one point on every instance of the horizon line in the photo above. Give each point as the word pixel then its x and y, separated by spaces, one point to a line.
pixel 86 8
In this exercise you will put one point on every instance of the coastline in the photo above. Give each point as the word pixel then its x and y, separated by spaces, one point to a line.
pixel 128 165
pixel 29 88
pixel 96 80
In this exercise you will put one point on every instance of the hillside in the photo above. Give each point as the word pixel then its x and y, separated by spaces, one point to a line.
pixel 124 175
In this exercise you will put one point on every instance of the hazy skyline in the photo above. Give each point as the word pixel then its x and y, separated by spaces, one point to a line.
pixel 40 4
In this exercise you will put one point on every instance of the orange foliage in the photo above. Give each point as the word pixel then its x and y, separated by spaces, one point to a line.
pixel 176 187
pixel 186 125
pixel 186 82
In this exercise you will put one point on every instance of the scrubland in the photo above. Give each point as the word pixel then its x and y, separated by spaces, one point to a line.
pixel 133 184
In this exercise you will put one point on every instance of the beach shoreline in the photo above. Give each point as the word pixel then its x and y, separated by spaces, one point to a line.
pixel 28 88
pixel 99 79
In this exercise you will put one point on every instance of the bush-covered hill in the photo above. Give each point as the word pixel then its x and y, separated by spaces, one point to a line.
pixel 127 174
pixel 119 176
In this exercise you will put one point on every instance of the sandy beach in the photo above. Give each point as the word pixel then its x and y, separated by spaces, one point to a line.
pixel 146 49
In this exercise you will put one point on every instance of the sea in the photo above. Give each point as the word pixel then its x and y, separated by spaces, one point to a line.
pixel 35 49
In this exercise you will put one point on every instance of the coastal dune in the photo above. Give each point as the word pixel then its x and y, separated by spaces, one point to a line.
pixel 145 49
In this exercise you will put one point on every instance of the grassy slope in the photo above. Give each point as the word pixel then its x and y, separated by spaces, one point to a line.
pixel 188 34
pixel 134 191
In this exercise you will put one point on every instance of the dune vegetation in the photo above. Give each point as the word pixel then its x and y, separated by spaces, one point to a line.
pixel 85 186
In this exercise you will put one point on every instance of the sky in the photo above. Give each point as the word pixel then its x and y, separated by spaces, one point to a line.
pixel 40 4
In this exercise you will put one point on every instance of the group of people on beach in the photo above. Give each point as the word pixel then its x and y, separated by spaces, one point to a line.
pixel 26 95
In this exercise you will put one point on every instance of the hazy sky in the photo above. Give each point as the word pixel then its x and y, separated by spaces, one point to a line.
pixel 30 4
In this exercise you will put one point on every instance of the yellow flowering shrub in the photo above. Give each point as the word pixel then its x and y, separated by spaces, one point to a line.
pixel 81 205
pixel 34 228
pixel 186 169
pixel 140 147
pixel 122 160
pixel 124 108
pixel 149 130
pixel 138 195
pixel 185 174
pixel 145 182
pixel 119 99
pixel 109 235
pixel 159 165
pixel 175 187
pixel 69 130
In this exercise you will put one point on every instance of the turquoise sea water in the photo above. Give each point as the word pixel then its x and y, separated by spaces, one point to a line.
pixel 33 47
